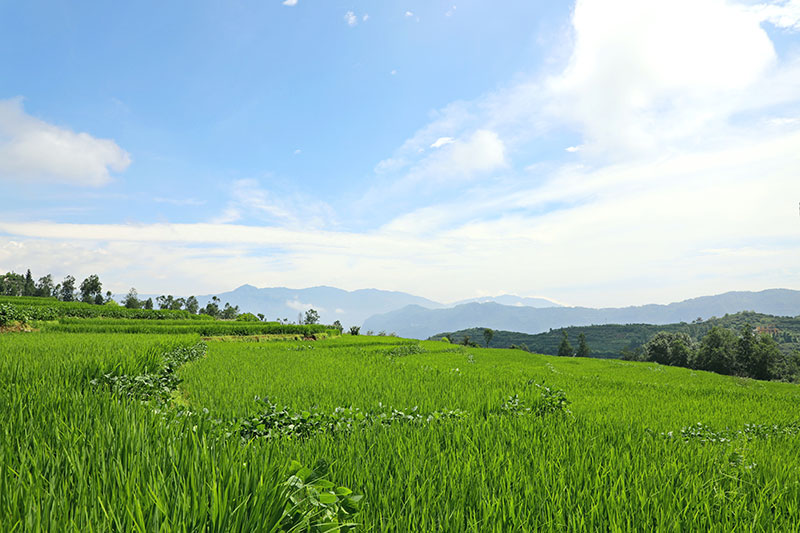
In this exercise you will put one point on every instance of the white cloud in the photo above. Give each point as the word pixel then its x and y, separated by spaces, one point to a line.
pixel 572 149
pixel 393 72
pixel 441 141
pixel 298 151
pixel 409 14
pixel 33 150
pixel 784 14
pixel 289 2
pixel 297 305
pixel 350 18
pixel 645 73
pixel 365 17
pixel 450 12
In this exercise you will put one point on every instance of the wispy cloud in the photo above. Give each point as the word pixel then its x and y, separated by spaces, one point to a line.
pixel 289 2
pixel 351 19
pixel 441 141
pixel 250 200
pixel 34 150
pixel 179 201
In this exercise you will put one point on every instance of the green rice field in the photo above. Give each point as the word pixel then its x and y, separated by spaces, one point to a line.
pixel 116 431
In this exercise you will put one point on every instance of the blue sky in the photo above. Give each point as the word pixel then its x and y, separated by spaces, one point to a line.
pixel 598 153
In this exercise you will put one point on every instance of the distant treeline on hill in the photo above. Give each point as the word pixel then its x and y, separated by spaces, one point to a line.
pixel 613 341
pixel 730 345
pixel 22 299
pixel 90 291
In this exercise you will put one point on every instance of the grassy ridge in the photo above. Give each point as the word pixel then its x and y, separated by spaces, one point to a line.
pixel 629 457
pixel 173 327
pixel 25 308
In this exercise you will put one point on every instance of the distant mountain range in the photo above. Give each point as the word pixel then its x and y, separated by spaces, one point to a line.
pixel 510 299
pixel 417 321
pixel 350 308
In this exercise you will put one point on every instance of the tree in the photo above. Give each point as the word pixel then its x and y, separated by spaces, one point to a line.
pixel 148 304
pixel 766 358
pixel 212 307
pixel 746 351
pixel 717 351
pixel 131 300
pixel 565 348
pixel 12 284
pixel 29 288
pixel 583 348
pixel 312 317
pixel 164 302
pixel 67 293
pixel 668 348
pixel 229 312
pixel 91 288
pixel 108 299
pixel 682 350
pixel 192 305
pixel 260 316
pixel 354 330
pixel 44 287
pixel 338 325
pixel 487 335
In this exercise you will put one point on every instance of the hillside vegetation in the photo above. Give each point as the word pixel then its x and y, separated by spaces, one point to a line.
pixel 614 340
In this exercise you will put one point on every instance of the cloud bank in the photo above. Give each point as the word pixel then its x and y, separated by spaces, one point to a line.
pixel 33 150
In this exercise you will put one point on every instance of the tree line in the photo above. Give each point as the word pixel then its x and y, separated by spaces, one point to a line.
pixel 90 291
pixel 724 351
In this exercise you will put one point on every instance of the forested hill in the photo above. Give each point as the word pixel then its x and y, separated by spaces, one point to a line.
pixel 611 340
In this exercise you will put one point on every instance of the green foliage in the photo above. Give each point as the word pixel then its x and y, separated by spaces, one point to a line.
pixel 716 351
pixel 91 290
pixel 354 330
pixel 565 348
pixel 67 291
pixel 131 300
pixel 615 340
pixel 311 317
pixel 583 348
pixel 51 309
pixel 318 505
pixel 487 335
pixel 207 328
pixel 667 348
pixel 247 317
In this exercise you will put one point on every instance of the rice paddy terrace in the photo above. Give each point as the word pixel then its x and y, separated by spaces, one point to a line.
pixel 113 430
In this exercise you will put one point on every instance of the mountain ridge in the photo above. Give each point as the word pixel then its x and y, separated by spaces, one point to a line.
pixel 421 323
